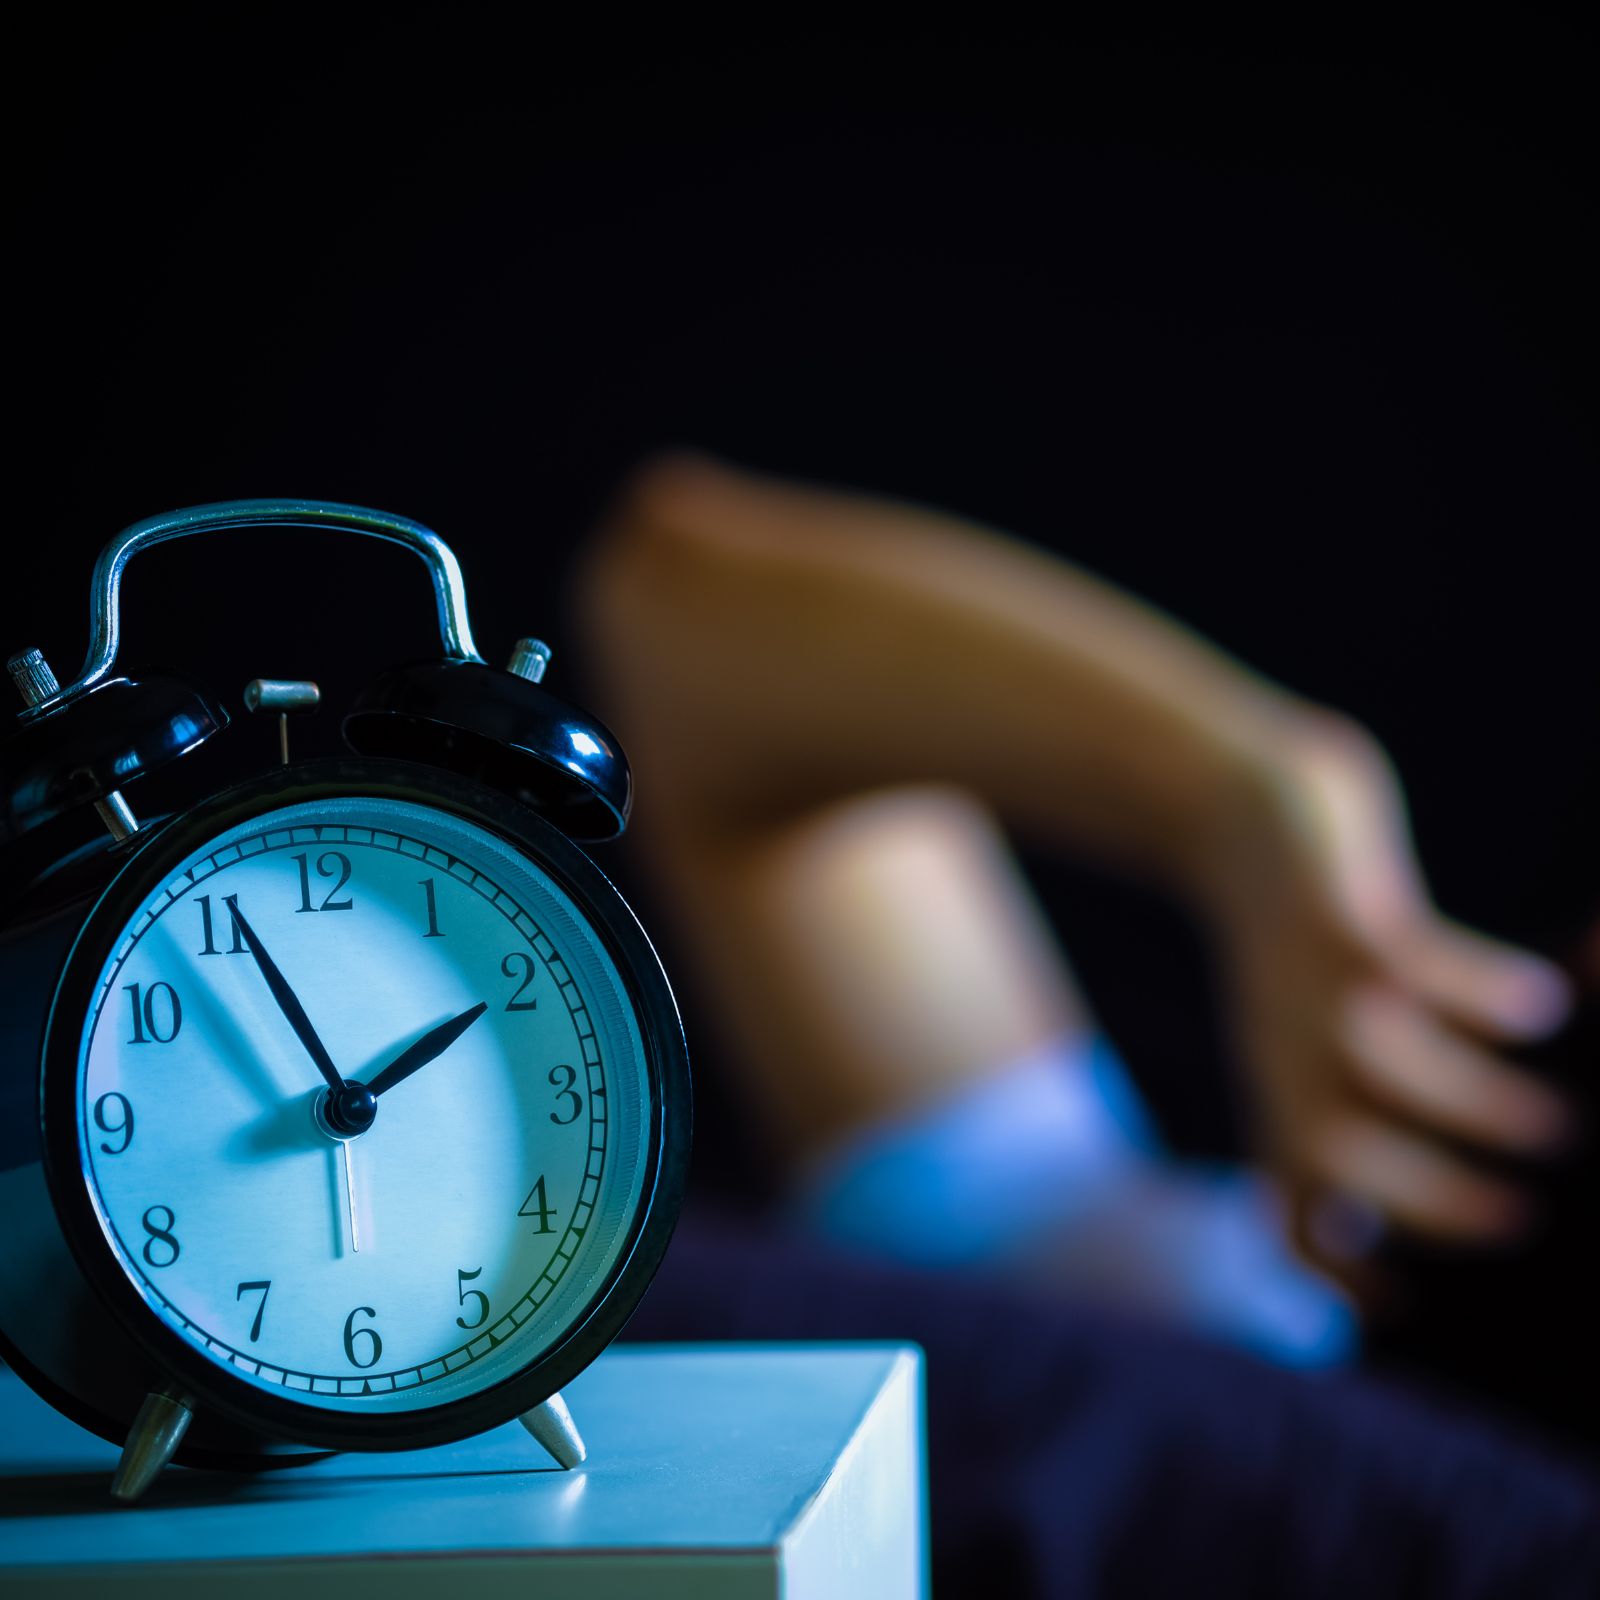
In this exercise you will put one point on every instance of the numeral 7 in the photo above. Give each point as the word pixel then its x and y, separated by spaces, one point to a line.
pixel 263 1284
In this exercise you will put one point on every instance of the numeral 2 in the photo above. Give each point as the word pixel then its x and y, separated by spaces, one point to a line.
pixel 509 968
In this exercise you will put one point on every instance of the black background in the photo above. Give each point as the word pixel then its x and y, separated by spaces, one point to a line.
pixel 1292 333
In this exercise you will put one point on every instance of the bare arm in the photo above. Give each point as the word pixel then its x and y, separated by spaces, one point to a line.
pixel 821 644
pixel 774 650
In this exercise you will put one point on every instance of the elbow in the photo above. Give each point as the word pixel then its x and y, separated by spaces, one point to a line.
pixel 650 572
pixel 675 535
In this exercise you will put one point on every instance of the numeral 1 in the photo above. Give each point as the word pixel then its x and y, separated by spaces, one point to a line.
pixel 538 1205
pixel 433 910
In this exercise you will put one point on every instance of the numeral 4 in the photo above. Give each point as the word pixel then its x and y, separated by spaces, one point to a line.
pixel 538 1205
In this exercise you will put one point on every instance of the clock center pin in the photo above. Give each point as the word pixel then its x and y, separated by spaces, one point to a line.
pixel 346 1112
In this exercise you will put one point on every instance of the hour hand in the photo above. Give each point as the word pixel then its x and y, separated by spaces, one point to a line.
pixel 288 1003
pixel 433 1043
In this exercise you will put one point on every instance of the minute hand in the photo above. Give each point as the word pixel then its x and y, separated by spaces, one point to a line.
pixel 433 1043
pixel 288 1003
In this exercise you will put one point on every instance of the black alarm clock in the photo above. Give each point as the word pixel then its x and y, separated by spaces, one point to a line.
pixel 357 1104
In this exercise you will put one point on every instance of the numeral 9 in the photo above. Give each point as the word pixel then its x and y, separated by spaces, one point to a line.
pixel 123 1124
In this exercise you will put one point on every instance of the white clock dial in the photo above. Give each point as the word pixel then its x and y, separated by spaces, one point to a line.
pixel 451 1242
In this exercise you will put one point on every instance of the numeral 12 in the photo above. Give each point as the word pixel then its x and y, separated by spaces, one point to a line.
pixel 330 863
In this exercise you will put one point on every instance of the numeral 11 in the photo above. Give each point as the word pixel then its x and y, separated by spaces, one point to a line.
pixel 205 924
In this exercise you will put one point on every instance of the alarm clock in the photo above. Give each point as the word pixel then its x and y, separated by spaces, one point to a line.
pixel 347 1106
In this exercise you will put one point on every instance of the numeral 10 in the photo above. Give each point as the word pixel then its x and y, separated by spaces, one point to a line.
pixel 151 1021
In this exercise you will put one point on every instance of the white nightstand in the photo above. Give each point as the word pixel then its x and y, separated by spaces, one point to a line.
pixel 715 1471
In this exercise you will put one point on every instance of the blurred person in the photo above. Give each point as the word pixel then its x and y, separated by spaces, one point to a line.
pixel 838 704
pixel 835 704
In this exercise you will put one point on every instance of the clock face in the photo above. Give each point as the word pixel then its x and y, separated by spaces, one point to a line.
pixel 381 1250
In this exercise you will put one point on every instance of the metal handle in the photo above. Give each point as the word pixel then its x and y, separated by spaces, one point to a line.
pixel 449 588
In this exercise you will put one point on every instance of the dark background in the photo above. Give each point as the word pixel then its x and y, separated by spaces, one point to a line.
pixel 1291 333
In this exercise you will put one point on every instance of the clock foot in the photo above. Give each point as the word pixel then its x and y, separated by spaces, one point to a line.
pixel 153 1439
pixel 552 1425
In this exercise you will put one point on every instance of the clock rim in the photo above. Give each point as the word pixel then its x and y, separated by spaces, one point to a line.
pixel 668 1132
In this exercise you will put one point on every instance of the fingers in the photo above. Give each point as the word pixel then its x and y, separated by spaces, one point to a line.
pixel 1402 1058
pixel 1413 1183
pixel 1372 1149
pixel 1495 988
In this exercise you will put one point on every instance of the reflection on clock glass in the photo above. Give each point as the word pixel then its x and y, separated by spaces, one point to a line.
pixel 387 1251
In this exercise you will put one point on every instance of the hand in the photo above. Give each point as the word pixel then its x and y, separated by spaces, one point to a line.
pixel 1368 1021
pixel 433 1043
pixel 288 1003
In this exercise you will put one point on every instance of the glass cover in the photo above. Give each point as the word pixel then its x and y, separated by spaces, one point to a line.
pixel 365 1255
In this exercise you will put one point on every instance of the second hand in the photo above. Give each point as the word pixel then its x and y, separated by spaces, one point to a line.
pixel 350 1195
